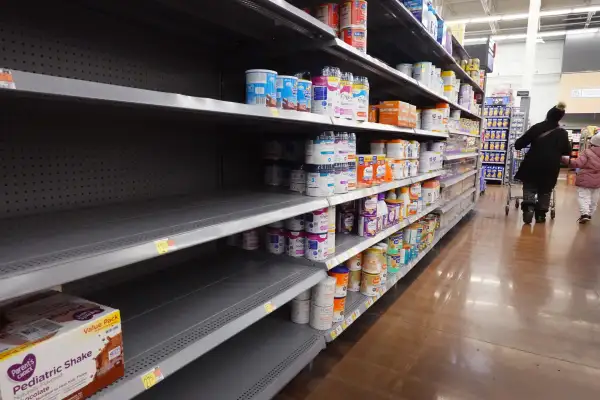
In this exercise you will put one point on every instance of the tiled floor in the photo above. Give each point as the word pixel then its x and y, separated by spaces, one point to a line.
pixel 501 311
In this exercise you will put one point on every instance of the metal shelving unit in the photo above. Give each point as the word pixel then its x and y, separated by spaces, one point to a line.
pixel 449 157
pixel 200 308
pixel 454 180
pixel 124 150
pixel 452 203
pixel 357 303
pixel 266 357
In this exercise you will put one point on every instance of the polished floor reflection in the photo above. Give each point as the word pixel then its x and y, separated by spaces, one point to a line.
pixel 501 311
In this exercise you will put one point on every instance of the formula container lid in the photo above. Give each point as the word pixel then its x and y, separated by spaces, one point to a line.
pixel 287 77
pixel 268 71
pixel 304 81
pixel 340 269
pixel 303 75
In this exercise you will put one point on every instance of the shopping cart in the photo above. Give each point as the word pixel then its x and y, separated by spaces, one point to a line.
pixel 515 157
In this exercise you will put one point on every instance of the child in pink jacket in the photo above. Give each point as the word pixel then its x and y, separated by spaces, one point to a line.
pixel 588 179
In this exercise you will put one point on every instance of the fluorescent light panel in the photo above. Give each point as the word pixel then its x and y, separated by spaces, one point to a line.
pixel 540 35
pixel 516 17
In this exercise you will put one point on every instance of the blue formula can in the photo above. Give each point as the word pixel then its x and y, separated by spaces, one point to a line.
pixel 260 87
pixel 287 90
pixel 304 95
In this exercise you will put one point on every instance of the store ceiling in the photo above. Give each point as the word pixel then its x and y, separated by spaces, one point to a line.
pixel 459 9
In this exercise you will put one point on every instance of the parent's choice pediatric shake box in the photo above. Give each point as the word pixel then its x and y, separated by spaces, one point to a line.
pixel 59 347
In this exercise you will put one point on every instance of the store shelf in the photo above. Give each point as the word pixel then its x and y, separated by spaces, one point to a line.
pixel 360 193
pixel 377 127
pixel 452 203
pixel 343 50
pixel 50 249
pixel 455 132
pixel 494 151
pixel 454 180
pixel 30 84
pixel 489 162
pixel 449 157
pixel 357 303
pixel 437 54
pixel 347 246
pixel 256 364
pixel 459 49
pixel 171 325
pixel 493 179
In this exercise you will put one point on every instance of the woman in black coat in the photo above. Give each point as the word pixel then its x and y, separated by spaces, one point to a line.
pixel 541 166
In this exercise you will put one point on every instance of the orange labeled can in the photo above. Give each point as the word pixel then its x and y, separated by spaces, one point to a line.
pixel 340 273
pixel 329 14
pixel 369 284
pixel 365 172
pixel 356 37
pixel 339 307
pixel 353 13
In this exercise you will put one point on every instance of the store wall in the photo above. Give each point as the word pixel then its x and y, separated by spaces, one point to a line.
pixel 508 73
pixel 582 53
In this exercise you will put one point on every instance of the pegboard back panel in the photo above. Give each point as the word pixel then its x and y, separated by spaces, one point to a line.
pixel 70 40
pixel 60 161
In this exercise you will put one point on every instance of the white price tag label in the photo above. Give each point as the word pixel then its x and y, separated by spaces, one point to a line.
pixel 339 329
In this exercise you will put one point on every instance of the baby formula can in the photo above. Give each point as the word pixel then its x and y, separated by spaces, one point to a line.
pixel 353 13
pixel 320 96
pixel 329 14
pixel 330 243
pixel 315 247
pixel 320 150
pixel 300 311
pixel 323 293
pixel 395 242
pixel 304 295
pixel 295 223
pixel 295 243
pixel 346 97
pixel 320 180
pixel 360 93
pixel 354 280
pixel 394 263
pixel 383 277
pixel 369 284
pixel 298 180
pixel 340 273
pixel 250 240
pixel 317 221
pixel 287 92
pixel 275 240
pixel 339 307
pixel 341 178
pixel 321 317
pixel 355 36
pixel 352 177
pixel 354 263
pixel 260 87
pixel 406 69
pixel 304 95
pixel 276 224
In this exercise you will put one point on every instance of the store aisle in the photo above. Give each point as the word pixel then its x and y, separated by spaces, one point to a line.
pixel 501 311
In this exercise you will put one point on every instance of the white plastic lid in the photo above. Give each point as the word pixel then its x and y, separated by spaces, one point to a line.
pixel 269 71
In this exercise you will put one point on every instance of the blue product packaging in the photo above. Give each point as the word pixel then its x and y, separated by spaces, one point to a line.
pixel 260 87
pixel 287 92
pixel 304 95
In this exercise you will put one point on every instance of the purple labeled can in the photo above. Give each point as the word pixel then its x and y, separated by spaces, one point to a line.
pixel 315 248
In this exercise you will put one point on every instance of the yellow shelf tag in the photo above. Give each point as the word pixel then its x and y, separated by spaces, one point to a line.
pixel 163 246
pixel 152 377
pixel 274 112
pixel 333 335
pixel 269 307
pixel 344 325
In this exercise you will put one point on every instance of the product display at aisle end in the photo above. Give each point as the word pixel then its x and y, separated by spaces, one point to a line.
pixel 255 209
pixel 497 125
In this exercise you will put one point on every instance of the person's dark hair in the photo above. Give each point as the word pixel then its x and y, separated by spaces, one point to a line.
pixel 556 113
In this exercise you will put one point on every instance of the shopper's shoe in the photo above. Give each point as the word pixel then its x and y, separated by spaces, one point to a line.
pixel 540 218
pixel 527 216
pixel 584 219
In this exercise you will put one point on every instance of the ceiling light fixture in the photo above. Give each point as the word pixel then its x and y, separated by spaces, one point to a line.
pixel 517 17
pixel 540 35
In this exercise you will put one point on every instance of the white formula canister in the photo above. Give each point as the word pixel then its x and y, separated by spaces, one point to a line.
pixel 301 311
pixel 320 180
pixel 276 224
pixel 320 150
pixel 331 218
pixel 250 240
pixel 318 221
pixel 315 247
pixel 330 243
pixel 339 309
pixel 341 178
pixel 378 147
pixel 406 69
pixel 260 87
pixel 354 277
pixel 275 240
pixel 295 243
pixel 304 295
pixel 298 180
pixel 322 294
pixel 321 317
pixel 295 223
